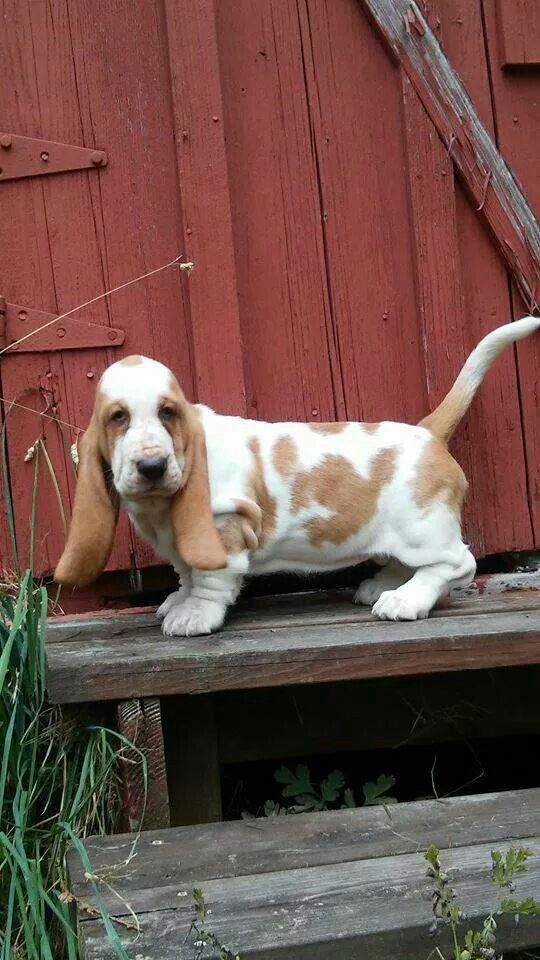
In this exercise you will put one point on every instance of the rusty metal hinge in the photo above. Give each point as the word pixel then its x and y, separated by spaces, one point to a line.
pixel 31 157
pixel 17 321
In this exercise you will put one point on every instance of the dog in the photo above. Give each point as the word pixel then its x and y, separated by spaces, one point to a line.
pixel 220 497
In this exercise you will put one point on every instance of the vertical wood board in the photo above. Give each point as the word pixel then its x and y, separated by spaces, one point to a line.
pixel 292 369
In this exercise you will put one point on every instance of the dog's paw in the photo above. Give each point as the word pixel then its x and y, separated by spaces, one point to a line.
pixel 392 605
pixel 369 592
pixel 173 600
pixel 193 618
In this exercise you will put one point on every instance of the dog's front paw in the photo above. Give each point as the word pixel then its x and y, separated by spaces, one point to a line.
pixel 193 618
pixel 173 600
pixel 392 605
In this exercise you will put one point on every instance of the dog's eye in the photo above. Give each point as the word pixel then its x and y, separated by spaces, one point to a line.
pixel 119 416
pixel 166 414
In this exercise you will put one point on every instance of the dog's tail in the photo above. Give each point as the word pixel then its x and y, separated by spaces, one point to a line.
pixel 445 418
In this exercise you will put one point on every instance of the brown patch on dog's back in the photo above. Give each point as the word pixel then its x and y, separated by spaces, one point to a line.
pixel 335 484
pixel 285 456
pixel 328 427
pixel 301 495
pixel 133 361
pixel 371 427
pixel 261 494
pixel 439 478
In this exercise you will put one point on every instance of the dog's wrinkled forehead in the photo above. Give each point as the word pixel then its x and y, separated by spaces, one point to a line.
pixel 136 382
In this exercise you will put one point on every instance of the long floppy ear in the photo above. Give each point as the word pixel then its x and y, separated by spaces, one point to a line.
pixel 196 536
pixel 93 520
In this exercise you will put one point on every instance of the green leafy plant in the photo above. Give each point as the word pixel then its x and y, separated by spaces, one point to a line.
pixel 376 793
pixel 307 796
pixel 478 944
pixel 329 794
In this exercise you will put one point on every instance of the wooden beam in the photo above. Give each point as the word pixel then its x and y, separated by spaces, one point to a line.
pixel 146 804
pixel 345 646
pixel 487 177
pixel 193 770
pixel 242 848
pixel 336 885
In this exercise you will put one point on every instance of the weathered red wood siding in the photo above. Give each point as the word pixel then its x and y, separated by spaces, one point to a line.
pixel 340 272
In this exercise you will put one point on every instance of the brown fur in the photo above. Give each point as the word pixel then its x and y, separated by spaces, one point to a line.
pixel 196 536
pixel 237 535
pixel 371 427
pixel 95 509
pixel 261 494
pixel 439 478
pixel 285 456
pixel 335 484
pixel 442 421
pixel 301 493
pixel 252 513
pixel 328 427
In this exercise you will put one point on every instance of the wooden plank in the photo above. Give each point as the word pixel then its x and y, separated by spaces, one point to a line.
pixel 519 32
pixel 492 431
pixel 199 136
pixel 439 282
pixel 448 340
pixel 289 610
pixel 515 96
pixel 145 791
pixel 232 660
pixel 295 373
pixel 507 595
pixel 484 172
pixel 193 770
pixel 75 234
pixel 376 907
pixel 190 855
pixel 37 381
pixel 123 101
pixel 357 134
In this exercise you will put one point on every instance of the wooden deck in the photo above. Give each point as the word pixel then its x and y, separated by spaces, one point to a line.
pixel 291 639
pixel 343 884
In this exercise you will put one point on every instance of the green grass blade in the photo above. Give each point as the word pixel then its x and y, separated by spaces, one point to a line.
pixel 106 920
pixel 15 627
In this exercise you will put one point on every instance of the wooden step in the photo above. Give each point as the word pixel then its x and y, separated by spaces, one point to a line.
pixel 302 638
pixel 343 884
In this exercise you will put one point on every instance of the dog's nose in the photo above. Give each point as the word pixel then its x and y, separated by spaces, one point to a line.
pixel 152 468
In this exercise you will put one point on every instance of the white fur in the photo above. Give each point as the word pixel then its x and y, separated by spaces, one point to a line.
pixel 483 355
pixel 424 545
pixel 139 388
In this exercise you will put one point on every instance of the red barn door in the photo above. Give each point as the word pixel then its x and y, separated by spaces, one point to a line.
pixel 340 269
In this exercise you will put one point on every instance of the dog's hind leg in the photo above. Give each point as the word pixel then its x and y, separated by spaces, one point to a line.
pixel 392 575
pixel 414 599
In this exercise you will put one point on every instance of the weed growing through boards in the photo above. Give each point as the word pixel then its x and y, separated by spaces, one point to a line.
pixel 200 937
pixel 480 944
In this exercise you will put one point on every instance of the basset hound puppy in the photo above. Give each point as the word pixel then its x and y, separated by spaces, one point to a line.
pixel 220 497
